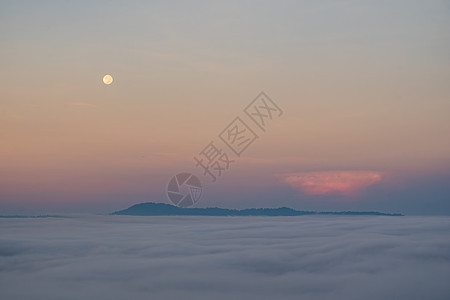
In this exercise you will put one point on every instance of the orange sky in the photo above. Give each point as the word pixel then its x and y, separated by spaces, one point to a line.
pixel 364 88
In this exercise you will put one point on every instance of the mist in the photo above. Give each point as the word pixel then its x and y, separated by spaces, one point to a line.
pixel 310 257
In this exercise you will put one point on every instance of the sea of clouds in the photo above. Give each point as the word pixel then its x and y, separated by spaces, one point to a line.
pixel 307 257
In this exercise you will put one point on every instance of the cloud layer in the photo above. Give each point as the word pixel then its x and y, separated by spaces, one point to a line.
pixel 332 182
pixel 122 257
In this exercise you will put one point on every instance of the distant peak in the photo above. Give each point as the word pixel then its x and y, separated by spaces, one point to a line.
pixel 163 209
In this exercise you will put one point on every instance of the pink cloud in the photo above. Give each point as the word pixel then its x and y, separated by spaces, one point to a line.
pixel 332 182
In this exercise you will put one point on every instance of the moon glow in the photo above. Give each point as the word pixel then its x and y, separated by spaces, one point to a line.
pixel 107 79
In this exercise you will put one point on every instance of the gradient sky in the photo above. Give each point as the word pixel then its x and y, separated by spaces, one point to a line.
pixel 364 86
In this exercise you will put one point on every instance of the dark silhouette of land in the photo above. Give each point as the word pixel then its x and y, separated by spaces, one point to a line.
pixel 162 209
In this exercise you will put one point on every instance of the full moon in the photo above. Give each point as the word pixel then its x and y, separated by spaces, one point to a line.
pixel 107 79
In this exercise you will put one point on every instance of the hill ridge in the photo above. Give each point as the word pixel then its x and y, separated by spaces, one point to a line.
pixel 163 209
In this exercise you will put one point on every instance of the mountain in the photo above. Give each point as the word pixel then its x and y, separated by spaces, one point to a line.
pixel 162 209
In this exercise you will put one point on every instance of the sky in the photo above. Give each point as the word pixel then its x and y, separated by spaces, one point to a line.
pixel 363 87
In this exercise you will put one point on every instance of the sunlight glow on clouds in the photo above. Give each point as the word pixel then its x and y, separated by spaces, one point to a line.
pixel 332 182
